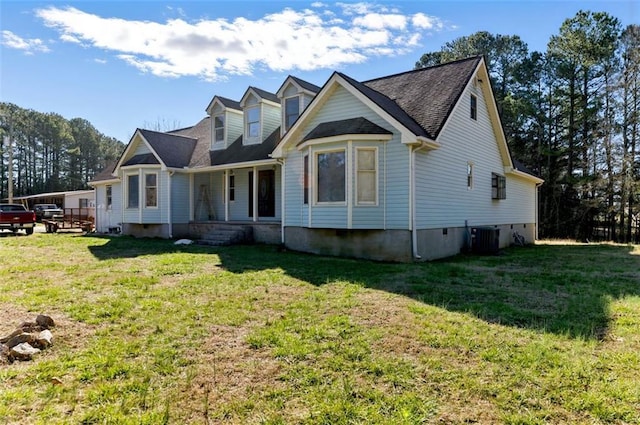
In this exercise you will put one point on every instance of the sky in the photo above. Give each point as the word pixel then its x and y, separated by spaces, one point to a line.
pixel 156 64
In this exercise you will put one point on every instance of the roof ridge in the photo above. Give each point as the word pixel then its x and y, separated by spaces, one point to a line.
pixel 169 133
pixel 470 58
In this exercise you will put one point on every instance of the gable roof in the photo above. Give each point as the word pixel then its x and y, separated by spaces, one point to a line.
pixel 229 103
pixel 145 158
pixel 263 94
pixel 305 84
pixel 172 149
pixel 427 95
pixel 358 125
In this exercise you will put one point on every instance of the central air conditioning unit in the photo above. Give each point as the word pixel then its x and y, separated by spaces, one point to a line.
pixel 485 240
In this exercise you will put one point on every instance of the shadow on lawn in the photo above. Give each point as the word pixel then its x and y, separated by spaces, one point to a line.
pixel 564 289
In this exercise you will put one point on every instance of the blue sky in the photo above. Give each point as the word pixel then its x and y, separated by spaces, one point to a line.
pixel 128 64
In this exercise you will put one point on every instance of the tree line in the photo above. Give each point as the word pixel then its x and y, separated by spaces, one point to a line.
pixel 571 114
pixel 50 153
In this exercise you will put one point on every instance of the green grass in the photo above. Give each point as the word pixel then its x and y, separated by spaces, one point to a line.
pixel 152 333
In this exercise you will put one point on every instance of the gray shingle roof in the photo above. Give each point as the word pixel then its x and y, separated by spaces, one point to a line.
pixel 174 150
pixel 106 173
pixel 358 125
pixel 427 95
pixel 237 152
pixel 388 105
pixel 305 84
pixel 145 158
pixel 265 94
pixel 229 103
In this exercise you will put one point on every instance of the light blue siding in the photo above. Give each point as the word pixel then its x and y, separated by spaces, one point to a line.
pixel 180 198
pixel 443 199
pixel 392 210
pixel 235 124
pixel 270 119
pixel 108 217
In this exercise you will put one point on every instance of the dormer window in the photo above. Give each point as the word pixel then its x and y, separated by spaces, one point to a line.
pixel 218 129
pixel 253 122
pixel 291 111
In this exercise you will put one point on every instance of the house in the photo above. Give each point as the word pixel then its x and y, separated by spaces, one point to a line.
pixel 398 168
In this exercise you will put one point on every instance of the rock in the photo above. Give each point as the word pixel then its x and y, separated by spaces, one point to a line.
pixel 45 321
pixel 21 338
pixel 22 352
pixel 43 340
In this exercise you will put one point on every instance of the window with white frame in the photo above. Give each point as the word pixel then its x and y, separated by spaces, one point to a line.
pixel 151 190
pixel 218 129
pixel 469 175
pixel 473 107
pixel 109 196
pixel 133 191
pixel 366 176
pixel 253 122
pixel 331 177
pixel 291 111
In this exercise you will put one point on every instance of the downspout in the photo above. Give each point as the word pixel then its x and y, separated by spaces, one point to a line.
pixel 169 205
pixel 412 184
pixel 282 198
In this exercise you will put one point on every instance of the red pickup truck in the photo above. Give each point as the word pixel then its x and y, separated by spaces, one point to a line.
pixel 15 217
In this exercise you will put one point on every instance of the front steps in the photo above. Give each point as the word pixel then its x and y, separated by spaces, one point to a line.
pixel 226 234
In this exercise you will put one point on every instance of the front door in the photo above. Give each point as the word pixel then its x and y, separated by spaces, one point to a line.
pixel 266 193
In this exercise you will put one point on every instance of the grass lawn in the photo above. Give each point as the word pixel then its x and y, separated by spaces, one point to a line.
pixel 152 333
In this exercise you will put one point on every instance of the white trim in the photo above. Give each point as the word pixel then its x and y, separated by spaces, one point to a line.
pixel 349 180
pixel 169 209
pixel 282 200
pixel 255 193
pixel 376 172
pixel 346 137
pixel 225 184
pixel 406 136
pixel 522 174
pixel 127 189
pixel 315 177
pixel 222 167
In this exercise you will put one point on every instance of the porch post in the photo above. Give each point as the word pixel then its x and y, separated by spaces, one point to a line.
pixel 255 193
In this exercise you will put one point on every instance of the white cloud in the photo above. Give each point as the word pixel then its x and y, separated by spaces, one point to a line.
pixel 318 4
pixel 100 61
pixel 28 45
pixel 380 21
pixel 213 49
pixel 422 21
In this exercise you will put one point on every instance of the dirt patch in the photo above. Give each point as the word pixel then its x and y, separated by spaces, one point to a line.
pixel 68 334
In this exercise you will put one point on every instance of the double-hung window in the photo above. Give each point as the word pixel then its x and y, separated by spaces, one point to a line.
pixel 253 122
pixel 133 191
pixel 291 111
pixel 331 177
pixel 366 177
pixel 218 129
pixel 151 190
